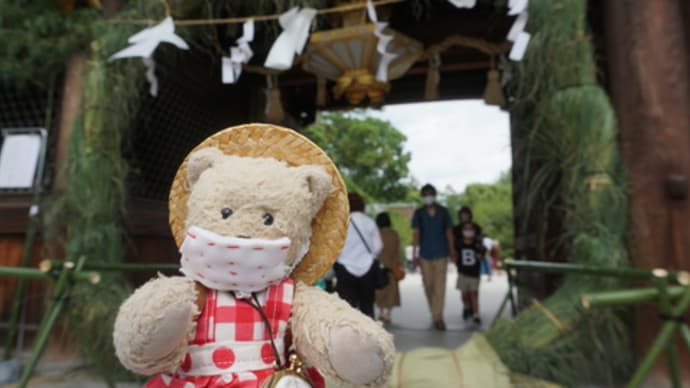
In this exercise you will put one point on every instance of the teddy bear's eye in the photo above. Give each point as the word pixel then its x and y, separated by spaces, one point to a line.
pixel 268 218
pixel 226 212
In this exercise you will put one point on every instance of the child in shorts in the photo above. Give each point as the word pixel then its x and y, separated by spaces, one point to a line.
pixel 470 252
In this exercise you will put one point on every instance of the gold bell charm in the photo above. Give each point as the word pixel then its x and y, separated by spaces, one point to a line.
pixel 289 377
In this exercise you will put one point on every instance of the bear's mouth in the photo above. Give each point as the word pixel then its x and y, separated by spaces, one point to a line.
pixel 243 236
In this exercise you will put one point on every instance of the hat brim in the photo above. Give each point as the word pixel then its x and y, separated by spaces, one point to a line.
pixel 329 227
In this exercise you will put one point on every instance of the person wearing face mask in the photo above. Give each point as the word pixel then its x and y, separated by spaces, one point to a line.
pixel 432 247
pixel 470 253
pixel 465 215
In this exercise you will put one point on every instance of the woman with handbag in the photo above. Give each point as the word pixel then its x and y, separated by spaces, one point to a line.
pixel 389 296
pixel 357 269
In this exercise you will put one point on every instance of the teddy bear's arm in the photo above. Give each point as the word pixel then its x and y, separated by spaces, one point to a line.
pixel 154 324
pixel 338 340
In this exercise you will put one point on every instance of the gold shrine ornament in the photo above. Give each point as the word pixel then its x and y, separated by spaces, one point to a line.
pixel 359 84
pixel 348 56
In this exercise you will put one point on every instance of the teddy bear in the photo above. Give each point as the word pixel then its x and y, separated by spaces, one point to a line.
pixel 259 213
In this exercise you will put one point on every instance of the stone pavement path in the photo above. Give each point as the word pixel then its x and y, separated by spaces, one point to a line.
pixel 411 328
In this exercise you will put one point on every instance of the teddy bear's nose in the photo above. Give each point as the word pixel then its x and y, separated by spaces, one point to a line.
pixel 242 236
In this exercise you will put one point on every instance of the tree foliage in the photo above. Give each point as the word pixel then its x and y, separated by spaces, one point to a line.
pixel 37 39
pixel 492 207
pixel 368 151
pixel 401 224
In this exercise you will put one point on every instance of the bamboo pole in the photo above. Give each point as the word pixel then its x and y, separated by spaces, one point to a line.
pixel 131 267
pixel 499 313
pixel 124 267
pixel 685 334
pixel 630 296
pixel 661 342
pixel 61 292
pixel 23 273
pixel 569 268
pixel 31 231
pixel 661 283
pixel 511 296
pixel 33 273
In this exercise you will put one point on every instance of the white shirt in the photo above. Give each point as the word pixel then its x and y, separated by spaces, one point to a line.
pixel 354 256
pixel 488 243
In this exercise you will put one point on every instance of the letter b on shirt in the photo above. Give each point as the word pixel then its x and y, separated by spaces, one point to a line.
pixel 468 258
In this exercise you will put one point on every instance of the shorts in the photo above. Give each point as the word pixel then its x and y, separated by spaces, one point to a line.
pixel 467 283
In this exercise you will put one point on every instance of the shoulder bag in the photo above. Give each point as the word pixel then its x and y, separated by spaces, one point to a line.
pixel 380 272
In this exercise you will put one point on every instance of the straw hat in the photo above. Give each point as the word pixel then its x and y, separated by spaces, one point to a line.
pixel 329 227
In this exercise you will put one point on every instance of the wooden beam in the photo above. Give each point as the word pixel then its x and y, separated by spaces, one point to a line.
pixel 421 69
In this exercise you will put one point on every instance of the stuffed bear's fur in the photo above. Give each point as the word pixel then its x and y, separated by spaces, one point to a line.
pixel 155 323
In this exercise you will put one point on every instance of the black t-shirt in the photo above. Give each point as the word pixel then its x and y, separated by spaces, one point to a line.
pixel 477 229
pixel 469 255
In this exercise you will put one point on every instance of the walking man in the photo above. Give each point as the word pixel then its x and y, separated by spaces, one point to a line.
pixel 432 247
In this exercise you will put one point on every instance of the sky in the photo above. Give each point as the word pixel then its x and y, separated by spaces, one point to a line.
pixel 452 142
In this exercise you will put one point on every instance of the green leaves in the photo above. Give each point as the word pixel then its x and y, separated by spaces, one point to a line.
pixel 492 207
pixel 37 39
pixel 368 151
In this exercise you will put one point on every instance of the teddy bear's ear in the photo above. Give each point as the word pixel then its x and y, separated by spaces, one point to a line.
pixel 200 161
pixel 318 182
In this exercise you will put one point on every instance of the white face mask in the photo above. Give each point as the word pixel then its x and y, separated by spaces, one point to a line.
pixel 242 265
pixel 467 233
pixel 429 199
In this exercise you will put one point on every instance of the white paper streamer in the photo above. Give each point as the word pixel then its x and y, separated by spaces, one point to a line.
pixel 386 57
pixel 517 27
pixel 239 54
pixel 517 6
pixel 517 33
pixel 151 76
pixel 463 3
pixel 144 43
pixel 519 46
pixel 291 41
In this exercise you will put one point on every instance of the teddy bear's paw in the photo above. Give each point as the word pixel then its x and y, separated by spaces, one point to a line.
pixel 356 357
pixel 171 328
pixel 154 324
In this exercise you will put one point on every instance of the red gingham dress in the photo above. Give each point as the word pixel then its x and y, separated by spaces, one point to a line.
pixel 231 347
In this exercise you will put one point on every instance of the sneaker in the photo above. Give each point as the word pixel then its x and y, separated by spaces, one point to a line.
pixel 440 325
pixel 466 314
pixel 477 320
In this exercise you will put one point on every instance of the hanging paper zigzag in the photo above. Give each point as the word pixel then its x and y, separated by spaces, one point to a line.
pixel 239 55
pixel 463 3
pixel 295 24
pixel 144 43
pixel 386 57
pixel 517 35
